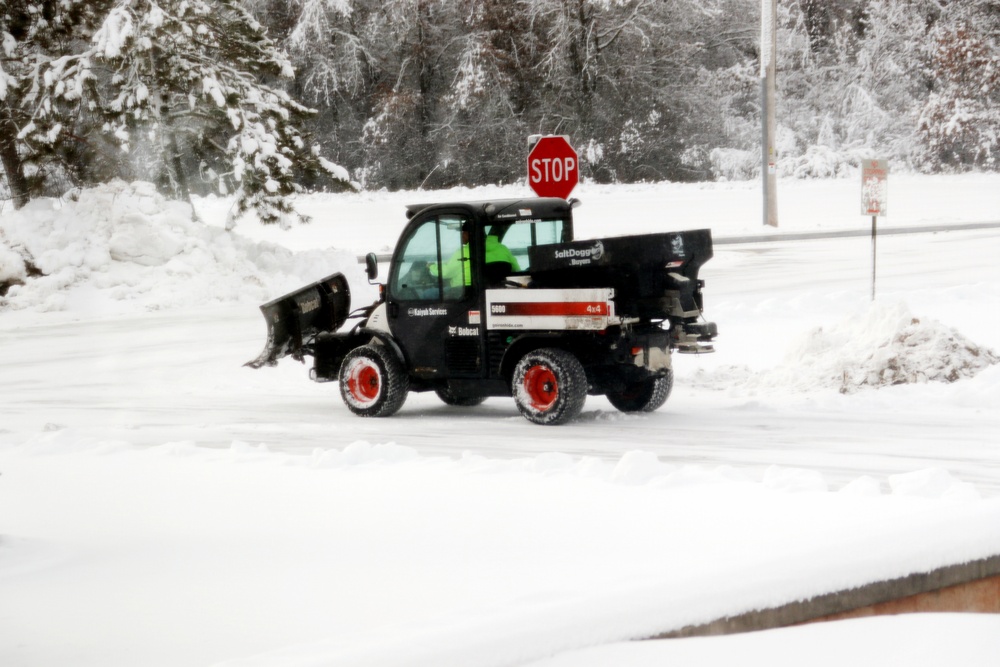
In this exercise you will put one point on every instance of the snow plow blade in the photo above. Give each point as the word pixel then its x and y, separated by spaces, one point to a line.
pixel 295 319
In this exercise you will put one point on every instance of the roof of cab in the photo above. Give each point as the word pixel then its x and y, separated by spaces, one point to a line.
pixel 505 209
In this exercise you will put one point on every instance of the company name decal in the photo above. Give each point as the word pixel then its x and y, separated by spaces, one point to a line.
pixel 591 254
pixel 309 306
pixel 463 331
pixel 426 312
pixel 521 213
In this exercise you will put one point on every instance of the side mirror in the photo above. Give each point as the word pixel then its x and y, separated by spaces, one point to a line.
pixel 371 266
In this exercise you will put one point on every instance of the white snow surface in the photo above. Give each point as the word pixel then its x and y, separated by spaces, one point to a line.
pixel 160 504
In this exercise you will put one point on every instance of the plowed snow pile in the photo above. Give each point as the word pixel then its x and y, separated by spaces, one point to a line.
pixel 120 245
pixel 881 346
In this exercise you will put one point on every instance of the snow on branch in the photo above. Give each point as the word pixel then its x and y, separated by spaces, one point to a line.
pixel 199 77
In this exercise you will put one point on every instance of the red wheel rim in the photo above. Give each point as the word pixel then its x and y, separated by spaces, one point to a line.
pixel 364 382
pixel 541 387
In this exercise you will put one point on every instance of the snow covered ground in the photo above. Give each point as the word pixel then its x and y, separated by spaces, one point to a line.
pixel 160 504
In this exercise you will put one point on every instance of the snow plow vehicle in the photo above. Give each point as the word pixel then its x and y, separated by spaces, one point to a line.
pixel 497 298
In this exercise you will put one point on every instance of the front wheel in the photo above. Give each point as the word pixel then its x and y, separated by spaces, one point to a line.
pixel 644 396
pixel 373 382
pixel 549 386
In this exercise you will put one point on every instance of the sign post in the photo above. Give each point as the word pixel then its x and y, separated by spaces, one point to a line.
pixel 768 127
pixel 874 198
pixel 553 167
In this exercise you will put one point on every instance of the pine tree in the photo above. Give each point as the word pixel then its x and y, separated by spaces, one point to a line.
pixel 190 87
pixel 200 79
pixel 41 87
pixel 408 50
pixel 337 48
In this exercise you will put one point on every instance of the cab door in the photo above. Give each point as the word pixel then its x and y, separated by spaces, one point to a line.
pixel 431 304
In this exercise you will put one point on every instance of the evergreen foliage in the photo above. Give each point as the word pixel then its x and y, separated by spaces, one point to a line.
pixel 183 87
pixel 41 134
pixel 197 95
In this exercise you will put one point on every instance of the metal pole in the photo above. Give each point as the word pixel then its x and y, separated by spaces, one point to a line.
pixel 768 161
pixel 874 224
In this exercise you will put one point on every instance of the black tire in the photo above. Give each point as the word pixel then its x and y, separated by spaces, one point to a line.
pixel 549 386
pixel 373 382
pixel 461 401
pixel 644 396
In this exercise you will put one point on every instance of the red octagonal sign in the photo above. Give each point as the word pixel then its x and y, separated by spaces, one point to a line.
pixel 553 168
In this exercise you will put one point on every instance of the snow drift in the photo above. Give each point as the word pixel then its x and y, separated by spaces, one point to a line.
pixel 113 247
pixel 887 345
pixel 883 345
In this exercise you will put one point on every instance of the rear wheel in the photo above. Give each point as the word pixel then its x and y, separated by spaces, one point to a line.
pixel 549 386
pixel 645 395
pixel 373 382
pixel 450 398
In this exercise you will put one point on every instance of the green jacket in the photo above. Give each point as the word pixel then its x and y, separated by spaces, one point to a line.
pixel 498 252
pixel 458 269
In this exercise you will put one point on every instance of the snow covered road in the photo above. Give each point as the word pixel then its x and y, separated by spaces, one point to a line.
pixel 161 504
pixel 152 378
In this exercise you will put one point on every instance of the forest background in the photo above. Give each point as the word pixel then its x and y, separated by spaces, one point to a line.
pixel 199 96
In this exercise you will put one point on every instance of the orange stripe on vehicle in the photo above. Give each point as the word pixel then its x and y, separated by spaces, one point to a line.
pixel 551 308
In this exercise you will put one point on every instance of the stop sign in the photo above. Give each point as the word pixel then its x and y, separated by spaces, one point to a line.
pixel 553 168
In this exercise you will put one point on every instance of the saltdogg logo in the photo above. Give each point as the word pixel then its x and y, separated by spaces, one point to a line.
pixel 593 253
pixel 677 245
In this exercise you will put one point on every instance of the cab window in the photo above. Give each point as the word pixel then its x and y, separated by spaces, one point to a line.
pixel 521 235
pixel 434 264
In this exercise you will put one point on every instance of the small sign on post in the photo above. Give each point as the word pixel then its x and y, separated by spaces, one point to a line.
pixel 874 187
pixel 874 198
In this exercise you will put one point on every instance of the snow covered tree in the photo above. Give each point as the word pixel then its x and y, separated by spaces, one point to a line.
pixel 40 86
pixel 184 87
pixel 326 42
pixel 339 49
pixel 493 94
pixel 416 45
pixel 960 122
pixel 199 80
pixel 851 91
pixel 433 93
pixel 627 79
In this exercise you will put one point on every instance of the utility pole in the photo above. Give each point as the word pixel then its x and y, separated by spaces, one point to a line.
pixel 768 159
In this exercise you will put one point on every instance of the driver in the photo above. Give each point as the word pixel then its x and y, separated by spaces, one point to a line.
pixel 457 269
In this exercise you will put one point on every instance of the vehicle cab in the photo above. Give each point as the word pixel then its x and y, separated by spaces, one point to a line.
pixel 443 264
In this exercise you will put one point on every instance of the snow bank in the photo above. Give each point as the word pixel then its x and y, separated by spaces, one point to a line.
pixel 12 267
pixel 913 640
pixel 378 555
pixel 122 246
pixel 883 345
